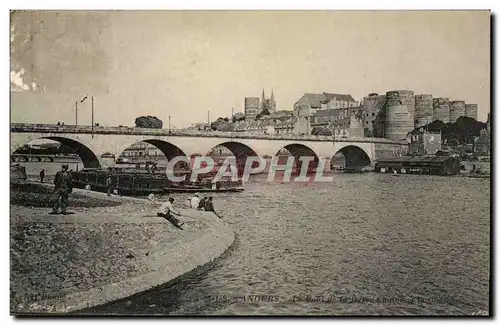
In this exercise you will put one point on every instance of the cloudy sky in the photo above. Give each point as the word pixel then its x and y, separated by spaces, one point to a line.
pixel 184 63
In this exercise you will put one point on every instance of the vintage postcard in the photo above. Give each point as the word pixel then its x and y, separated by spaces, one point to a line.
pixel 235 163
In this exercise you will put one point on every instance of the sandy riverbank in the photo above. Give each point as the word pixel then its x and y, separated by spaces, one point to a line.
pixel 108 249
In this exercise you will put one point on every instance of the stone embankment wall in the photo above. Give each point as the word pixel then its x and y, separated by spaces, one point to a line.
pixel 96 255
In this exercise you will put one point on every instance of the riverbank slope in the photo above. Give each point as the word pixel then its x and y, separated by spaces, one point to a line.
pixel 108 249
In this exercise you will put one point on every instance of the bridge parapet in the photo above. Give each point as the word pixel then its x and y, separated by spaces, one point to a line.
pixel 125 130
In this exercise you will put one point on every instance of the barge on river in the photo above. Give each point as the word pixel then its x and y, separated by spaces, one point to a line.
pixel 207 185
pixel 427 165
pixel 142 183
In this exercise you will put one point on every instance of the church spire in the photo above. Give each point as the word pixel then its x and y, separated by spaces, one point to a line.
pixel 263 99
pixel 272 94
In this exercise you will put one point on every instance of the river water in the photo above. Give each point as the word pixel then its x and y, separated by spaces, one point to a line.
pixel 364 244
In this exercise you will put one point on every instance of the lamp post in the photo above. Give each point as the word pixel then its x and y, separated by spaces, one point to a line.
pixel 92 117
pixel 92 99
pixel 76 113
pixel 232 122
pixel 169 124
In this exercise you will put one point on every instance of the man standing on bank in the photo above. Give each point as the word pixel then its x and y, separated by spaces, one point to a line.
pixel 63 187
pixel 42 175
pixel 109 185
pixel 167 211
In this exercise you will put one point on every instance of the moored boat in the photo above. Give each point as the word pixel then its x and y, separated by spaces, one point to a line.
pixel 426 165
pixel 141 183
pixel 126 182
pixel 208 184
pixel 478 175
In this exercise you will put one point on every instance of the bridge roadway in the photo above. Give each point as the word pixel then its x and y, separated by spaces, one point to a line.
pixel 92 143
pixel 26 157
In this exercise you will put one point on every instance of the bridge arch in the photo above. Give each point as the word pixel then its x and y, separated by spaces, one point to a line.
pixel 354 156
pixel 87 156
pixel 299 150
pixel 168 149
pixel 237 148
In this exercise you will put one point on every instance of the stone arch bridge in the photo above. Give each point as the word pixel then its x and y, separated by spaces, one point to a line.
pixel 92 143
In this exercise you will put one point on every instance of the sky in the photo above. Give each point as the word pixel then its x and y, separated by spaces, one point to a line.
pixel 183 64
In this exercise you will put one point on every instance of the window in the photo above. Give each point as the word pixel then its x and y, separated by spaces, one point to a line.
pixel 366 122
pixel 373 114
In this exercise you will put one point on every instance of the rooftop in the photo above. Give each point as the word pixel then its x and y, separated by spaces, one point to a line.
pixel 340 97
pixel 315 100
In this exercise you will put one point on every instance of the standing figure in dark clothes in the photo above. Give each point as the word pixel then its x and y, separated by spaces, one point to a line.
pixel 63 187
pixel 167 211
pixel 209 206
pixel 42 175
pixel 109 185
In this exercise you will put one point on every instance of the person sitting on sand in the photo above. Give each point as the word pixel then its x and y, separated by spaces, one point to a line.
pixel 201 205
pixel 167 211
pixel 195 201
pixel 209 206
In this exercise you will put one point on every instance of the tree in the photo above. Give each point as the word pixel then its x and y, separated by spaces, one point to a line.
pixel 264 112
pixel 462 131
pixel 238 117
pixel 226 127
pixel 148 122
pixel 217 124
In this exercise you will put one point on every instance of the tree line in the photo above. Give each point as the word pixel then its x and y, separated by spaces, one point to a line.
pixel 462 131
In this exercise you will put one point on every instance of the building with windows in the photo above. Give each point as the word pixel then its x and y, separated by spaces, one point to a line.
pixel 425 143
pixel 279 122
pixel 482 144
pixel 373 114
pixel 330 115
pixel 252 108
pixel 344 122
